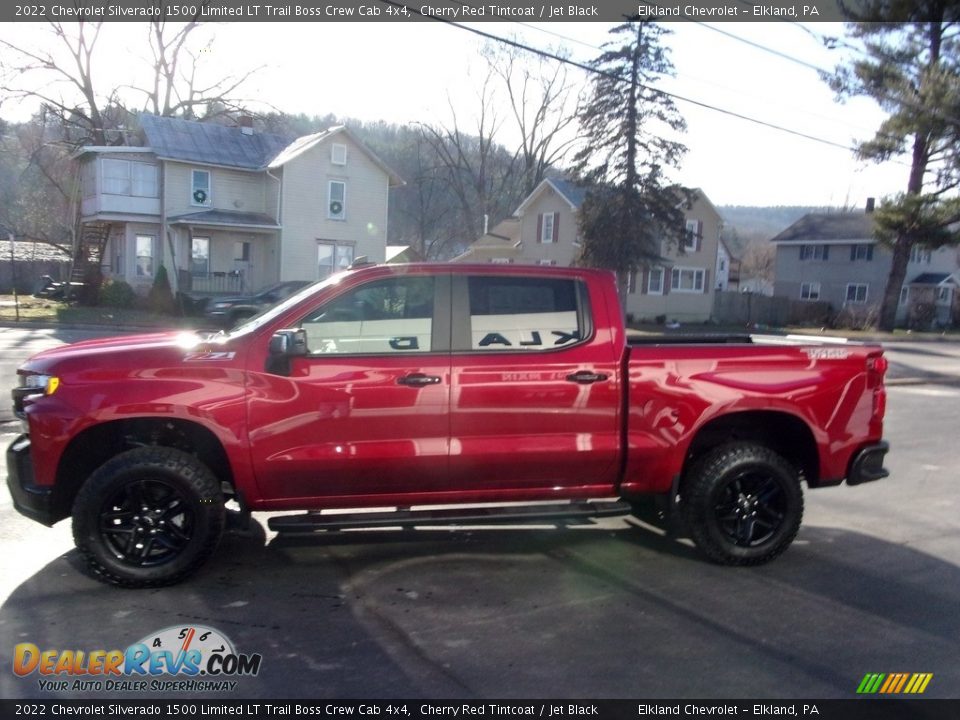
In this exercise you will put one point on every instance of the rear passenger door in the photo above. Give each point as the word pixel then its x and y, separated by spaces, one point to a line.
pixel 534 388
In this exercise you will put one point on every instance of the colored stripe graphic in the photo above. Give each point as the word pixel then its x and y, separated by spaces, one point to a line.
pixel 894 683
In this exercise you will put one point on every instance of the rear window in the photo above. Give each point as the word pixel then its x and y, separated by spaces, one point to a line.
pixel 517 313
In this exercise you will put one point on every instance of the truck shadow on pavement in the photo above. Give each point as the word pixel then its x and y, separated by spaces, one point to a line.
pixel 605 611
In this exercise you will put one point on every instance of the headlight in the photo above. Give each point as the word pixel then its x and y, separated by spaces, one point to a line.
pixel 47 384
pixel 220 305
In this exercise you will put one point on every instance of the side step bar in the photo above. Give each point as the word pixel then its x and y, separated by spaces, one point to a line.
pixel 484 515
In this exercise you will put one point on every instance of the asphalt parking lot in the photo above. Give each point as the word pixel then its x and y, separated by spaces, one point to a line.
pixel 607 610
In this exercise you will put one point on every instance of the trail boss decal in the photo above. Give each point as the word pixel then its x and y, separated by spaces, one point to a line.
pixel 827 353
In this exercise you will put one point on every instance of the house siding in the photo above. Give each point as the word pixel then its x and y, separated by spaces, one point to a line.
pixel 676 304
pixel 564 250
pixel 304 212
pixel 231 190
pixel 838 271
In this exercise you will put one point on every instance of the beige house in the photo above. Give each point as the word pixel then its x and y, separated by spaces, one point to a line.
pixel 227 209
pixel 544 231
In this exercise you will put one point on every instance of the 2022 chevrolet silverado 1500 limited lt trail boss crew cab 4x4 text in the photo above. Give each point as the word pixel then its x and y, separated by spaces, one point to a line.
pixel 455 386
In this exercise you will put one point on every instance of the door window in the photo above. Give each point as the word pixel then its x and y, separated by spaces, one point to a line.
pixel 520 313
pixel 387 316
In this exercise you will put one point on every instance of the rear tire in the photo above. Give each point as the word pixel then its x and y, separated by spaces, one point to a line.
pixel 742 504
pixel 148 517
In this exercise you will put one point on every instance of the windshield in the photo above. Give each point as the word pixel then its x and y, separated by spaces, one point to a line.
pixel 274 311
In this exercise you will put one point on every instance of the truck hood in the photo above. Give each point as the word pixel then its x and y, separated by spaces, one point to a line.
pixel 147 350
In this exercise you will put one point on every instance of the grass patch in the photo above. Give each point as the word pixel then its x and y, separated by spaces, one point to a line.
pixel 33 309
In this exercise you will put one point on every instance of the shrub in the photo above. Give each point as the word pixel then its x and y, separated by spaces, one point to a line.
pixel 118 294
pixel 160 298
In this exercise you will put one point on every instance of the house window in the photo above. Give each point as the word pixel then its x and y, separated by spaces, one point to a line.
pixel 144 249
pixel 333 257
pixel 337 200
pixel 944 295
pixel 862 251
pixel 546 262
pixel 690 236
pixel 919 255
pixel 241 251
pixel 200 188
pixel 123 177
pixel 655 281
pixel 338 154
pixel 200 256
pixel 632 283
pixel 548 228
pixel 856 293
pixel 810 291
pixel 688 280
pixel 814 252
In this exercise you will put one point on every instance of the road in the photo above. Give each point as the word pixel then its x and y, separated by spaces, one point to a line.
pixel 608 610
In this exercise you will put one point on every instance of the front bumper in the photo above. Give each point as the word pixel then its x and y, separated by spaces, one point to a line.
pixel 33 501
pixel 867 464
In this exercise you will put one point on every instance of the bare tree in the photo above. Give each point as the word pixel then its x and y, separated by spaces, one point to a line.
pixel 480 173
pixel 758 261
pixel 178 89
pixel 540 93
pixel 61 75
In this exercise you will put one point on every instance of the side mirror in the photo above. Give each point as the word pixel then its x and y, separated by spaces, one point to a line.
pixel 289 343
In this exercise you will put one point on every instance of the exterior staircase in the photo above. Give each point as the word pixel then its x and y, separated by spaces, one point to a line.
pixel 85 274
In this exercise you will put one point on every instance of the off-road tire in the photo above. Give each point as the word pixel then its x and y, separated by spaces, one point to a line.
pixel 742 504
pixel 148 517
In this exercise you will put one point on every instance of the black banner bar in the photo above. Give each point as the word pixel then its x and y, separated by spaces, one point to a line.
pixel 399 11
pixel 854 709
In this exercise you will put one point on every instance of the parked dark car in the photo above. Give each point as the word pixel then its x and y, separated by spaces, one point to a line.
pixel 228 311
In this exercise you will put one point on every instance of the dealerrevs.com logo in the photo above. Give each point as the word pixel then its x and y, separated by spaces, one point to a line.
pixel 182 659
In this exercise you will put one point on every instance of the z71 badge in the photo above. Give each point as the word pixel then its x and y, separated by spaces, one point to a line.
pixel 208 356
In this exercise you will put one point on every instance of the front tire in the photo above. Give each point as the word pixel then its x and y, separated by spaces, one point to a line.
pixel 742 504
pixel 148 517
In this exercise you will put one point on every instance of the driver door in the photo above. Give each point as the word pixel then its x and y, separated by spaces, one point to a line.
pixel 366 411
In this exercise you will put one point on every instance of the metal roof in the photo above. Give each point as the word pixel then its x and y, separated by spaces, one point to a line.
pixel 224 217
pixel 209 143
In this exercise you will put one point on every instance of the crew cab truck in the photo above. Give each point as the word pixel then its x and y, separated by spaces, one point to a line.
pixel 450 386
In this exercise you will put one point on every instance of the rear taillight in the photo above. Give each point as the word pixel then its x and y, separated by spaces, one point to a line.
pixel 876 368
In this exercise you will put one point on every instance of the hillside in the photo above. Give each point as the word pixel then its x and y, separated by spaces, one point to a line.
pixel 744 224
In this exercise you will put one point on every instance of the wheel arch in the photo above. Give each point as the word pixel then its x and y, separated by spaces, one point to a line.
pixel 786 434
pixel 95 445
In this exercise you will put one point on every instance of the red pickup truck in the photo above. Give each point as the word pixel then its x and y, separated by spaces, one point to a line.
pixel 448 386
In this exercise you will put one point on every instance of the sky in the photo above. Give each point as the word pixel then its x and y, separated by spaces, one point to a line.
pixel 417 72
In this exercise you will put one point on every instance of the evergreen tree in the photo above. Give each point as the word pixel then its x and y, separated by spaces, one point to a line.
pixel 912 69
pixel 628 126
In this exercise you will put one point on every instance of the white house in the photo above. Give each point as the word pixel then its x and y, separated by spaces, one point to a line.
pixel 231 209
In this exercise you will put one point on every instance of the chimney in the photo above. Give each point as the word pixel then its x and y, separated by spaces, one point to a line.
pixel 871 203
pixel 246 124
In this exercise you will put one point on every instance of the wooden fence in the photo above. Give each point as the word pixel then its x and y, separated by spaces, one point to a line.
pixel 749 309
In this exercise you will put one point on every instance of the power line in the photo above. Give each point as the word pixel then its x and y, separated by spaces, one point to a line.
pixel 618 78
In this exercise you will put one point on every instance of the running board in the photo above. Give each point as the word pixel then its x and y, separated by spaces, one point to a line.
pixel 497 515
